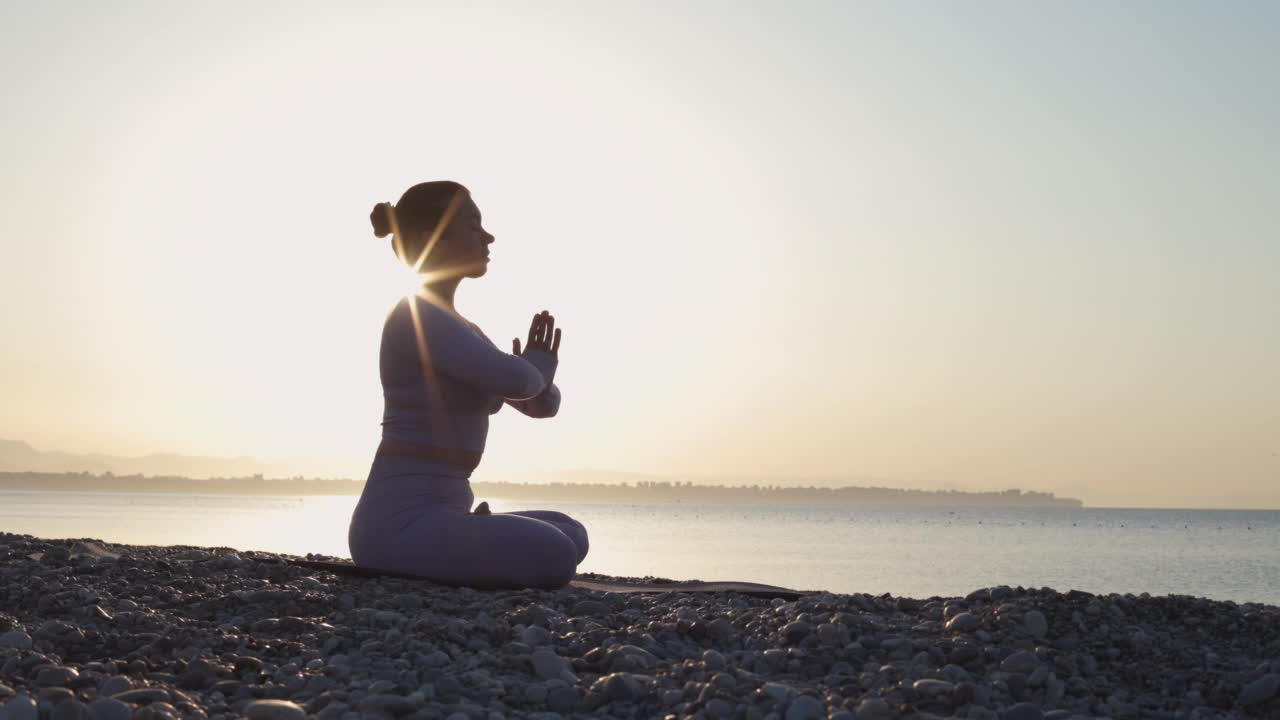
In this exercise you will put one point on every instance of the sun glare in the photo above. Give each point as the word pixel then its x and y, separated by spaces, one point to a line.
pixel 409 281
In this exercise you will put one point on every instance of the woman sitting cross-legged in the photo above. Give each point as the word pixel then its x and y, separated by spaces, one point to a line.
pixel 441 380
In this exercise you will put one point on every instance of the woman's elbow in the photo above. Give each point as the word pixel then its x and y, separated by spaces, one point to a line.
pixel 524 385
pixel 524 391
pixel 550 401
pixel 553 407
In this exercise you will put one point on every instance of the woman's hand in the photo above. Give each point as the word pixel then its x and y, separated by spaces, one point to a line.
pixel 543 335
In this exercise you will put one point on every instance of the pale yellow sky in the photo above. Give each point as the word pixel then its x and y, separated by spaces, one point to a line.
pixel 981 247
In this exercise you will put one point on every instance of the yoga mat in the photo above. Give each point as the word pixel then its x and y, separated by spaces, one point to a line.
pixel 601 585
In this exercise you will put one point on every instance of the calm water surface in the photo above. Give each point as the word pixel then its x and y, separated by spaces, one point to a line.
pixel 916 552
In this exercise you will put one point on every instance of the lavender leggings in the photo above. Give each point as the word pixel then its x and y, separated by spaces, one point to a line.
pixel 413 517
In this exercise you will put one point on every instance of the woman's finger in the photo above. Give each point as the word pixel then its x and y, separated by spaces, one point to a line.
pixel 551 326
pixel 533 332
pixel 555 343
pixel 515 346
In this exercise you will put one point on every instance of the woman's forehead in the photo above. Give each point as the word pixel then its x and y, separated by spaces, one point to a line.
pixel 470 208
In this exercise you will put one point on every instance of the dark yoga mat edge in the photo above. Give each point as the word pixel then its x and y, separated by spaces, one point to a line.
pixel 746 588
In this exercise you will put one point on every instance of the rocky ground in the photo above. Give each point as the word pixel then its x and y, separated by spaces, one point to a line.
pixel 119 632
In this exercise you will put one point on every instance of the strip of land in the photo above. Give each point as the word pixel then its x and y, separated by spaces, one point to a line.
pixel 642 491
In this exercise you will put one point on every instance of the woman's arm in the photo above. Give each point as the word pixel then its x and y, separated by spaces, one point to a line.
pixel 447 346
pixel 545 405
pixel 544 337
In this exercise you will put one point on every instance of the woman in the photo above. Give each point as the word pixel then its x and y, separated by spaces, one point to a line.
pixel 441 380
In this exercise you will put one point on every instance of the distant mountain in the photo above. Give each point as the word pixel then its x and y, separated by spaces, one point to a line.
pixel 18 456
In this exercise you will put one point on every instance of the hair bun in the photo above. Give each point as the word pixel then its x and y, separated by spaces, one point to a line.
pixel 381 219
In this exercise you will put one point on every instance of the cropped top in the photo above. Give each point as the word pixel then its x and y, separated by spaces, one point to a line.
pixel 442 378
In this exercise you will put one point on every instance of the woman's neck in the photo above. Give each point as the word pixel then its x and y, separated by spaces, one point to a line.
pixel 443 291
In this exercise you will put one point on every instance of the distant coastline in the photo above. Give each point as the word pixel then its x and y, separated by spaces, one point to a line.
pixel 642 491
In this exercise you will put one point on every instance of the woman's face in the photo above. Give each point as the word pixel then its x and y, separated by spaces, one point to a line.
pixel 463 247
pixel 469 240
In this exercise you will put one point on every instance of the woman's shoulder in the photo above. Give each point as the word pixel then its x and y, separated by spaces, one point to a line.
pixel 429 316
pixel 409 305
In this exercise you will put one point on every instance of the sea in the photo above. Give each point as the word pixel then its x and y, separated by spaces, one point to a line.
pixel 913 552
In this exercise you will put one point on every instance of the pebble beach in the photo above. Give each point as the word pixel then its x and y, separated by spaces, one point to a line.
pixel 97 631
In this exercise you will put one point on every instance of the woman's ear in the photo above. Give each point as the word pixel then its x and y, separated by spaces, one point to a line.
pixel 419 245
pixel 442 246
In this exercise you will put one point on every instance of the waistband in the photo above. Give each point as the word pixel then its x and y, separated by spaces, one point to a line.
pixel 466 459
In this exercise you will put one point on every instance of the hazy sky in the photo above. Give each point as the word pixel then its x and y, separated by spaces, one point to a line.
pixel 969 245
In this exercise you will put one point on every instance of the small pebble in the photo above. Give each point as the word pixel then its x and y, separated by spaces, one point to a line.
pixel 274 710
pixel 71 710
pixel 805 707
pixel 964 622
pixel 1023 662
pixel 1023 711
pixel 16 639
pixel 548 665
pixel 930 686
pixel 20 707
pixel 106 708
pixel 1035 623
pixel 1260 690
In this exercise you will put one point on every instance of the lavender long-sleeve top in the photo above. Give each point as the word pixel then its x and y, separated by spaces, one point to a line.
pixel 443 379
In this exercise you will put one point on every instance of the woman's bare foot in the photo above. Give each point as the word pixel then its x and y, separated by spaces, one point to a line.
pixel 482 509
